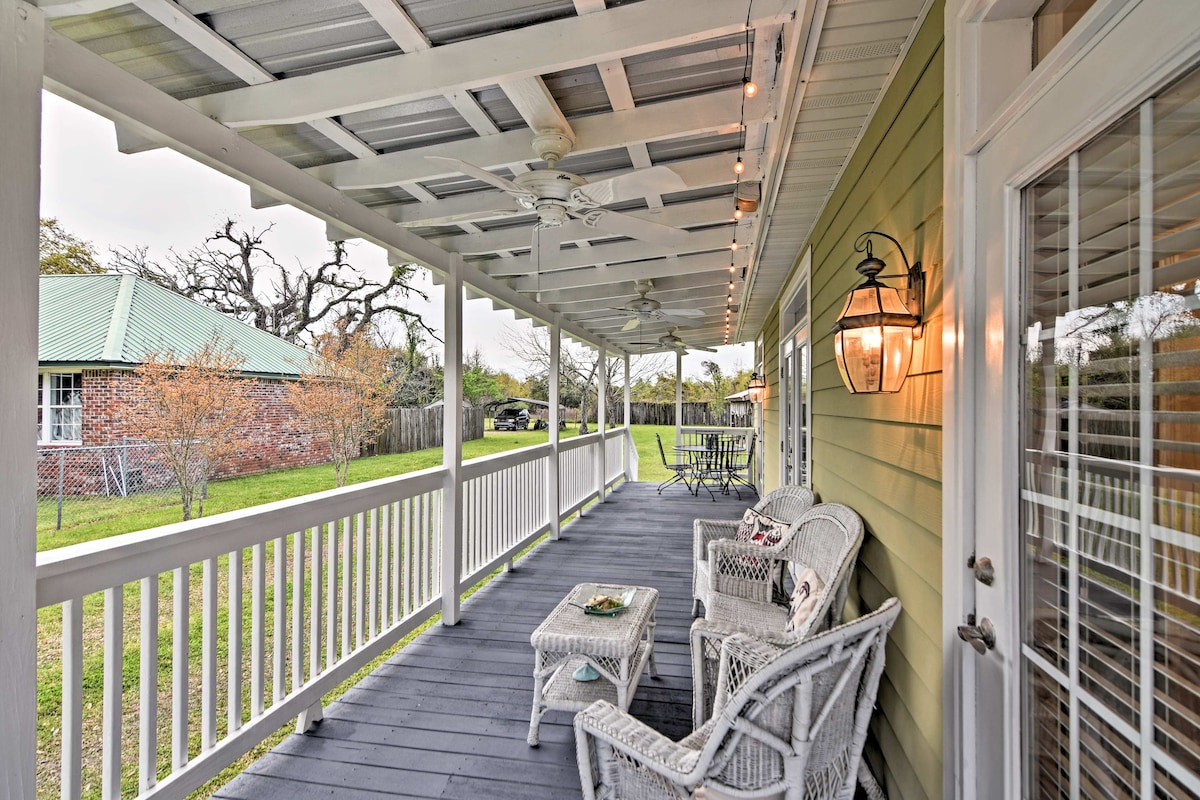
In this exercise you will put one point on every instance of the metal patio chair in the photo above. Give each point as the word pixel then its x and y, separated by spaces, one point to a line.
pixel 681 469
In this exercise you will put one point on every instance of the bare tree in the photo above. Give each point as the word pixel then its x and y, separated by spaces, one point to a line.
pixel 343 393
pixel 196 407
pixel 578 366
pixel 233 272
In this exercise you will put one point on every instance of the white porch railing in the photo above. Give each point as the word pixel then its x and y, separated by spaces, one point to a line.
pixel 244 620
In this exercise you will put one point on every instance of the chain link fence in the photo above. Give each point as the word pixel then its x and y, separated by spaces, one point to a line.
pixel 75 481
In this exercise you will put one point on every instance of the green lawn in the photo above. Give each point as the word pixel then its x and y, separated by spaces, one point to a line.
pixel 99 517
pixel 118 515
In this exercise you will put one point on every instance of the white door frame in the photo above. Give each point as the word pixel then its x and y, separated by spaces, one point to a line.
pixel 1000 111
pixel 800 282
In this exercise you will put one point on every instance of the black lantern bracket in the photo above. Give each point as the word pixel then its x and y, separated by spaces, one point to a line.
pixel 914 274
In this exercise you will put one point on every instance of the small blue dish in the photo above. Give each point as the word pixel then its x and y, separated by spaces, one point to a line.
pixel 585 672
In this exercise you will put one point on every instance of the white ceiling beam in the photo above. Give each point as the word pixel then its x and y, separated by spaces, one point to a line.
pixel 406 33
pixel 475 63
pixel 92 82
pixel 536 105
pixel 186 26
pixel 714 112
pixel 701 172
pixel 664 287
pixel 696 242
pixel 638 271
pixel 681 215
pixel 55 9
pixel 397 23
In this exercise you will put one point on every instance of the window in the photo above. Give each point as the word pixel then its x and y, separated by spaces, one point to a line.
pixel 1053 21
pixel 60 407
pixel 1111 493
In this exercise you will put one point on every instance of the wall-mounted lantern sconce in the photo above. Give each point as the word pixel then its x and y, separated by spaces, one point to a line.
pixel 874 334
pixel 756 388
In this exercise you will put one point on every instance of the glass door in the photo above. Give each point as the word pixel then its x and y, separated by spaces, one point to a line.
pixel 1110 492
pixel 793 378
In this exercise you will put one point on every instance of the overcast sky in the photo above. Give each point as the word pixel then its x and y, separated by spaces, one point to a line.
pixel 162 199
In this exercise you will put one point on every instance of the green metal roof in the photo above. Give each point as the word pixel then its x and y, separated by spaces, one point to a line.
pixel 115 320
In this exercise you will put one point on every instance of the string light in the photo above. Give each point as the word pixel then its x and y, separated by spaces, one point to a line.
pixel 749 89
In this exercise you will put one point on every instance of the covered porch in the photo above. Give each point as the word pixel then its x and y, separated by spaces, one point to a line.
pixel 447 716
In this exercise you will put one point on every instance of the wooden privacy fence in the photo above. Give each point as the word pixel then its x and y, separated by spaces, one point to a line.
pixel 646 413
pixel 421 428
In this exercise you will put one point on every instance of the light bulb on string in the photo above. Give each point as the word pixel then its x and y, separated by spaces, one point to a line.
pixel 734 245
pixel 738 213
pixel 749 87
pixel 731 286
pixel 739 166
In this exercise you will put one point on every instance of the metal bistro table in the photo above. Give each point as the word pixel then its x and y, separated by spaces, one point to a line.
pixel 708 460
pixel 617 647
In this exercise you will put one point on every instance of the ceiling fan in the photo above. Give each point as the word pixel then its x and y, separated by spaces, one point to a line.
pixel 673 342
pixel 642 309
pixel 569 207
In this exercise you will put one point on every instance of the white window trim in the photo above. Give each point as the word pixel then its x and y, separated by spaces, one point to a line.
pixel 44 407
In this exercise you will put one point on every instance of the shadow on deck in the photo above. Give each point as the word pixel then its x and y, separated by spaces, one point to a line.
pixel 447 716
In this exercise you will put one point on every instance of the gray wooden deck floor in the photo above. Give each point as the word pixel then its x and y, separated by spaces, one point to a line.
pixel 447 716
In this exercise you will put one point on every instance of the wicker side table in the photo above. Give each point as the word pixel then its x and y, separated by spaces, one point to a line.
pixel 618 647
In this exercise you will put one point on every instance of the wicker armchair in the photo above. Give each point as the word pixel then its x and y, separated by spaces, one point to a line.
pixel 786 503
pixel 827 538
pixel 790 721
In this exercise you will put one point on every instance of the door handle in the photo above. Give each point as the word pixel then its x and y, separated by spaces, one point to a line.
pixel 985 572
pixel 982 636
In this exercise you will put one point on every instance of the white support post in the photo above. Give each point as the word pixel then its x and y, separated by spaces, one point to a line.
pixel 678 397
pixel 552 469
pixel 21 59
pixel 602 422
pixel 452 514
pixel 628 428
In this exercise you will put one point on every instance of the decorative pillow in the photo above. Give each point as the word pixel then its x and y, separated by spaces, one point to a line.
pixel 805 599
pixel 760 529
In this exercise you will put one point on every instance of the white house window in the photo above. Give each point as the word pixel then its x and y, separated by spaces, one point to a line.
pixel 1111 490
pixel 60 407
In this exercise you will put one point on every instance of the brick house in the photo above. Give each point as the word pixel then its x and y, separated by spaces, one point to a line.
pixel 94 331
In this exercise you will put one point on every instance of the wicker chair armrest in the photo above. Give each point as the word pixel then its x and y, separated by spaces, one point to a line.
pixel 710 530
pixel 741 657
pixel 609 727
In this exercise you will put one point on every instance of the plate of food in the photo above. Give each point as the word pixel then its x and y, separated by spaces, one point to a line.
pixel 608 605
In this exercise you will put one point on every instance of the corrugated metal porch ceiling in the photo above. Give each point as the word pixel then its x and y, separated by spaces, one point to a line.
pixel 359 92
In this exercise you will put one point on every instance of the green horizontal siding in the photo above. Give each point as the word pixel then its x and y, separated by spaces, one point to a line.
pixel 882 454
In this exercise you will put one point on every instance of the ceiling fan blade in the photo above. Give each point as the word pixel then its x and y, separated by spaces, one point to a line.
pixel 683 312
pixel 479 173
pixel 629 186
pixel 682 322
pixel 633 323
pixel 702 349
pixel 643 230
